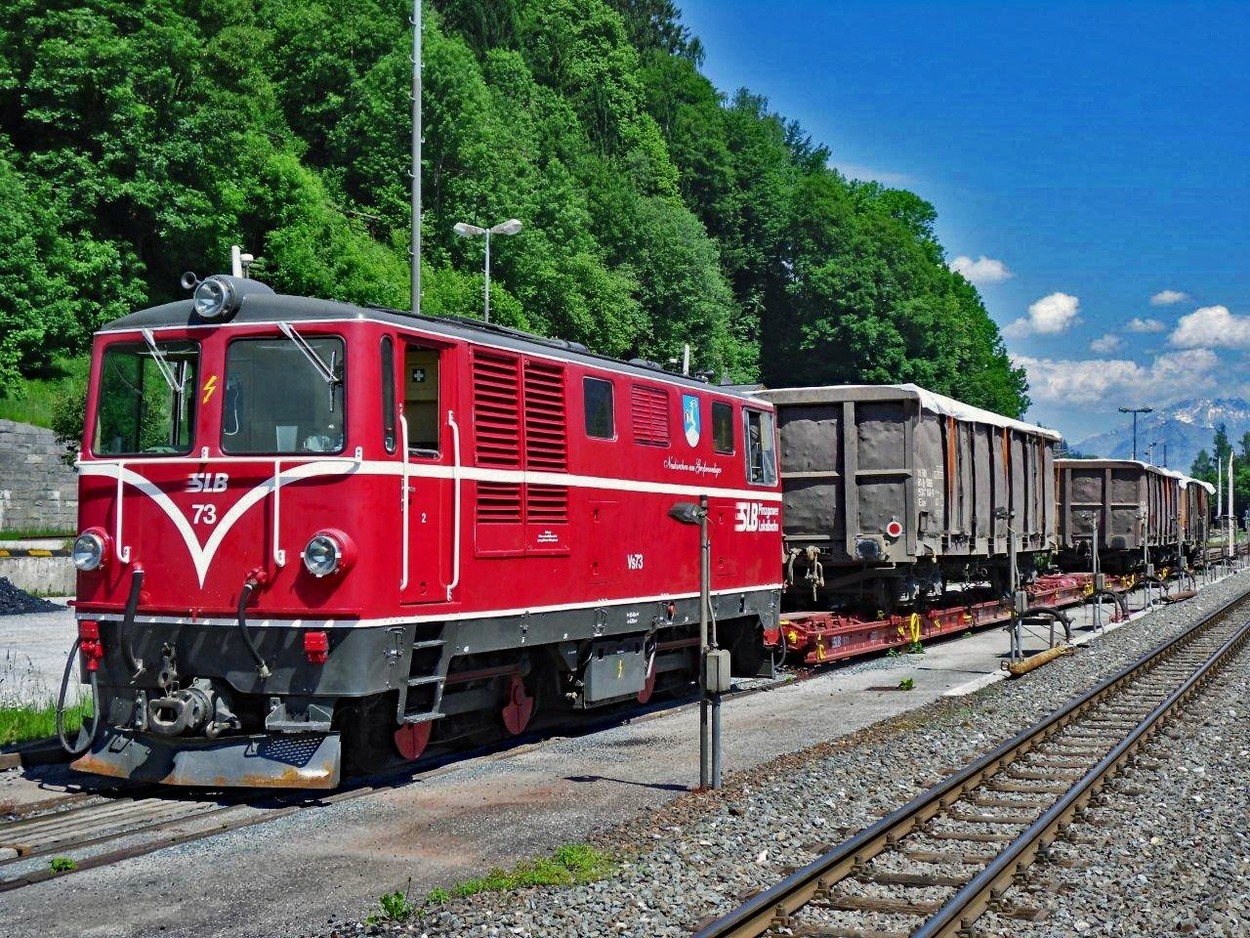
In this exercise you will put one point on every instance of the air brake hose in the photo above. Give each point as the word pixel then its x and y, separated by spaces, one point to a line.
pixel 73 750
pixel 132 605
pixel 248 587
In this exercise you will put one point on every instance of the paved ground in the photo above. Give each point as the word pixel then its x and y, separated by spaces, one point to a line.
pixel 33 649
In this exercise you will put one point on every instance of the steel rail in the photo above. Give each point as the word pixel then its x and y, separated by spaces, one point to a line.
pixel 779 902
pixel 971 901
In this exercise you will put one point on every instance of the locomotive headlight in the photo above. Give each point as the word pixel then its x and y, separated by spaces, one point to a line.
pixel 91 549
pixel 327 552
pixel 214 298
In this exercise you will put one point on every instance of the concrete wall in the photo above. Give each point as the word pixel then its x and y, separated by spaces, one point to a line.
pixel 52 575
pixel 38 492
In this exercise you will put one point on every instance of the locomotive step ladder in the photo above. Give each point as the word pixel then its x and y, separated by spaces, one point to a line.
pixel 423 713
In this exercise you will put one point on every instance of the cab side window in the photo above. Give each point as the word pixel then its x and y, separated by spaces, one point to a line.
pixel 760 455
pixel 388 394
pixel 600 418
pixel 722 427
pixel 421 400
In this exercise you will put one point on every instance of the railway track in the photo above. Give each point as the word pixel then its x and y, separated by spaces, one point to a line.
pixel 935 865
pixel 114 823
pixel 100 828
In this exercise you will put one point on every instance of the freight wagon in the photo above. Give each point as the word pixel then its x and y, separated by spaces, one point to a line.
pixel 893 492
pixel 1132 514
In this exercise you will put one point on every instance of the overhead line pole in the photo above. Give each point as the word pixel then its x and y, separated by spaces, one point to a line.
pixel 416 156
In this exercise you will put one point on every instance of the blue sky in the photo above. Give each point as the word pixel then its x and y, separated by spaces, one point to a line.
pixel 1089 162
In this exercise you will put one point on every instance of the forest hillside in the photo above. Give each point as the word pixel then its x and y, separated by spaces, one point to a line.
pixel 142 138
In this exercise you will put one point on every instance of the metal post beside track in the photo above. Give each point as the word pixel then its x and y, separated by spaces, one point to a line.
pixel 709 702
pixel 709 736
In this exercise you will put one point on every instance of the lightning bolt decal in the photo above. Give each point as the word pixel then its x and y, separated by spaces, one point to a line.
pixel 209 387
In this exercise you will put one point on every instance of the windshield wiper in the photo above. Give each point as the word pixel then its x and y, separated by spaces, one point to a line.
pixel 326 371
pixel 162 365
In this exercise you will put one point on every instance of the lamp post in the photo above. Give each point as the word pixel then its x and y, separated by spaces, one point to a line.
pixel 709 733
pixel 1135 411
pixel 465 230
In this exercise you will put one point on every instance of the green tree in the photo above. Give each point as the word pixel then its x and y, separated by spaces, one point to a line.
pixel 1203 467
pixel 140 139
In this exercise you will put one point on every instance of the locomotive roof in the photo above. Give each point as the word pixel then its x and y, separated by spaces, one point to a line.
pixel 267 307
pixel 929 401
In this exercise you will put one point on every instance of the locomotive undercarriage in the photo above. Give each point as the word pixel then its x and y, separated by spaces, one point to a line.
pixel 197 711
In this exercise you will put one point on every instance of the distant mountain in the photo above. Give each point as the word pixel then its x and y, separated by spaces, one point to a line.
pixel 1177 432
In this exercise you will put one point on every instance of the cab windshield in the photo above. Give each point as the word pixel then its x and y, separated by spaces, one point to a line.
pixel 145 401
pixel 284 395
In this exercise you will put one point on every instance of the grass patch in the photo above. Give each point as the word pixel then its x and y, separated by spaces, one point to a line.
pixel 396 907
pixel 22 535
pixel 22 723
pixel 35 400
pixel 570 865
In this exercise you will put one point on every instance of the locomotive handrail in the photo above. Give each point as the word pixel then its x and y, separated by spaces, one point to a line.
pixel 279 555
pixel 403 576
pixel 455 503
pixel 123 551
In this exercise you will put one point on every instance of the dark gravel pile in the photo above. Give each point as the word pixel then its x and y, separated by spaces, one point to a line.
pixel 14 601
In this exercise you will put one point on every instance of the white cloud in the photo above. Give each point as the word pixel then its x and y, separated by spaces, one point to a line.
pixel 1050 315
pixel 1211 327
pixel 982 270
pixel 1108 343
pixel 1170 377
pixel 1137 324
pixel 1168 297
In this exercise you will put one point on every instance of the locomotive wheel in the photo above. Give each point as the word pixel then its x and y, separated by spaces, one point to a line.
pixel 367 725
pixel 649 688
pixel 747 653
pixel 517 711
pixel 412 738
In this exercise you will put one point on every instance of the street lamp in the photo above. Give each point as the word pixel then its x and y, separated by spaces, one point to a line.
pixel 465 230
pixel 1135 411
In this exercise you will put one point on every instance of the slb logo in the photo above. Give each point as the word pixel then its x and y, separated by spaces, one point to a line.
pixel 752 516
pixel 208 482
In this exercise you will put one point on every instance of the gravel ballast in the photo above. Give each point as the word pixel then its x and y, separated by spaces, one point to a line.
pixel 14 601
pixel 1169 855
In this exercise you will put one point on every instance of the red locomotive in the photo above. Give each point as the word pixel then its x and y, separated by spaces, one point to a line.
pixel 313 531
